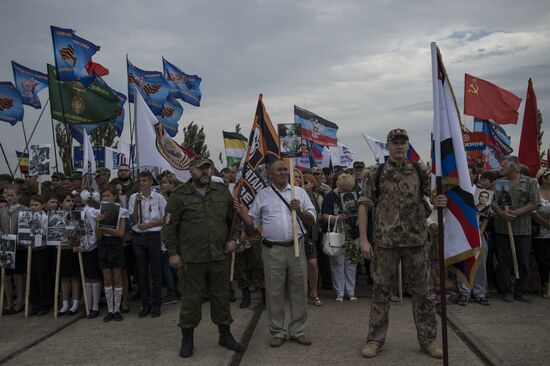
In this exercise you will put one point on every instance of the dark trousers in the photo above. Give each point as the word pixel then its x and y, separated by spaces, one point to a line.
pixel 41 279
pixel 542 256
pixel 505 266
pixel 170 275
pixel 323 263
pixel 148 258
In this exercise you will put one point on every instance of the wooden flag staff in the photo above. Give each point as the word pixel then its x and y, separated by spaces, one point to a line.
pixel 294 219
pixel 442 276
pixel 83 279
pixel 28 280
pixel 2 291
pixel 56 290
pixel 512 246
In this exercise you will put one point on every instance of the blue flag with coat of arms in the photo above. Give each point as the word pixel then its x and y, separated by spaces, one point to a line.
pixel 29 83
pixel 183 86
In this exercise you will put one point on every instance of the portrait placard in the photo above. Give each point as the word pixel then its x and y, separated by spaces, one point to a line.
pixel 290 139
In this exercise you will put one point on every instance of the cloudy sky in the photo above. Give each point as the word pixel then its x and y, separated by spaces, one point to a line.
pixel 364 65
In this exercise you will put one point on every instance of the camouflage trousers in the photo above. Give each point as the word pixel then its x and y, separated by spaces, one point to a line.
pixel 248 265
pixel 415 268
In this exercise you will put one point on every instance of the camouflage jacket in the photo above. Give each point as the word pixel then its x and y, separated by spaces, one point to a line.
pixel 399 214
pixel 197 228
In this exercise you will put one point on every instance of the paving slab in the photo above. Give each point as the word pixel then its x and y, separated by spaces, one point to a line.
pixel 507 333
pixel 134 341
pixel 338 332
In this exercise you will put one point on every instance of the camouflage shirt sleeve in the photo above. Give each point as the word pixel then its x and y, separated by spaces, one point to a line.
pixel 172 219
pixel 368 190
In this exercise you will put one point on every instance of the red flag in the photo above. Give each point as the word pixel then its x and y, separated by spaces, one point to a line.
pixel 95 68
pixel 529 142
pixel 484 100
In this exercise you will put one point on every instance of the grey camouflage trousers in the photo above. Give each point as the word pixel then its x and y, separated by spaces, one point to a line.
pixel 415 267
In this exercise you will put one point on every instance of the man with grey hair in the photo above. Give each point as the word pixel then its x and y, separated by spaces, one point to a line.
pixel 525 199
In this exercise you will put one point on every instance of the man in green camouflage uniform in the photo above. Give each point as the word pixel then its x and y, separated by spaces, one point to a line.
pixel 196 233
pixel 396 193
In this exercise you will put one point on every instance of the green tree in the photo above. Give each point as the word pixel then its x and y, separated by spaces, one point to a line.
pixel 65 146
pixel 193 139
pixel 103 136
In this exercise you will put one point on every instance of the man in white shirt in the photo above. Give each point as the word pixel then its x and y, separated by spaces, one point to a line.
pixel 147 210
pixel 280 266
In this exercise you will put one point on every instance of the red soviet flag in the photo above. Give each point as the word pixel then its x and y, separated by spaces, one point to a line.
pixel 529 142
pixel 485 100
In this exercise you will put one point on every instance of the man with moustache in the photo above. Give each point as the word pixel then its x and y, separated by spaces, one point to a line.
pixel 283 272
pixel 197 233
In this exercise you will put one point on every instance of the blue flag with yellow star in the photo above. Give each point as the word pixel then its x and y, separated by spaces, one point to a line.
pixel 29 83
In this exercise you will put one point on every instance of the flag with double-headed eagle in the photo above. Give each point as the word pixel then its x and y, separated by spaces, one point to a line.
pixel 29 83
pixel 71 102
pixel 315 128
pixel 170 115
pixel 72 54
pixel 151 85
pixel 462 238
pixel 183 86
pixel 11 103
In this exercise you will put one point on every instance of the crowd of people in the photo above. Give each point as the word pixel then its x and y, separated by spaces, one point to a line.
pixel 174 240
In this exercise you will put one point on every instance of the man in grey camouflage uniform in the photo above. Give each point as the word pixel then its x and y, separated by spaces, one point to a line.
pixel 396 193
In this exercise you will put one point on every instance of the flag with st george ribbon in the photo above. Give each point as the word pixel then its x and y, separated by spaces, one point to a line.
pixel 11 103
pixel 29 83
pixel 462 238
pixel 316 128
pixel 151 84
pixel 485 100
pixel 71 102
pixel 183 86
pixel 262 150
pixel 170 115
pixel 72 54
pixel 119 114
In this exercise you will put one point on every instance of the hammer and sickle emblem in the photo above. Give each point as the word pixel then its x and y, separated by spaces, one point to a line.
pixel 473 88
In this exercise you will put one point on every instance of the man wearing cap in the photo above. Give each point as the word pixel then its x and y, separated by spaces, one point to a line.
pixel 358 173
pixel 395 193
pixel 198 235
pixel 147 209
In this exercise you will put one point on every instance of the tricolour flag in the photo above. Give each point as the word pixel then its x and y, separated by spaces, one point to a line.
pixel 154 148
pixel 529 143
pixel 262 150
pixel 498 144
pixel 235 146
pixel 183 86
pixel 11 103
pixel 170 115
pixel 316 128
pixel 151 84
pixel 380 150
pixel 72 54
pixel 462 239
pixel 71 102
pixel 23 158
pixel 29 83
pixel 485 100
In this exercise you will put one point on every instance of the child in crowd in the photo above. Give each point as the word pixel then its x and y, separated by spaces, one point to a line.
pixel 90 258
pixel 111 256
pixel 9 218
pixel 41 265
pixel 70 268
pixel 51 202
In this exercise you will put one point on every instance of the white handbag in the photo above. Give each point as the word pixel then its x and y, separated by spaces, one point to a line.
pixel 333 240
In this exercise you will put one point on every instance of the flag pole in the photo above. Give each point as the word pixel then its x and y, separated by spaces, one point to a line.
pixel 26 150
pixel 6 159
pixel 54 147
pixel 294 219
pixel 442 276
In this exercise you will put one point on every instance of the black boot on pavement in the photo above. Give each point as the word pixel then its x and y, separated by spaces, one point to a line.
pixel 227 340
pixel 263 296
pixel 246 298
pixel 186 349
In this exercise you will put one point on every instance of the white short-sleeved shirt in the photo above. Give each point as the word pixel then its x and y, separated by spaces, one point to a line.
pixel 152 209
pixel 89 214
pixel 275 218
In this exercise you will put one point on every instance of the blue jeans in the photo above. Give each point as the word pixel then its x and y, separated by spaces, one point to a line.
pixel 480 278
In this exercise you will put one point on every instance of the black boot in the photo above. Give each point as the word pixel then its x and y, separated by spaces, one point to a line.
pixel 263 296
pixel 186 349
pixel 227 340
pixel 246 298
